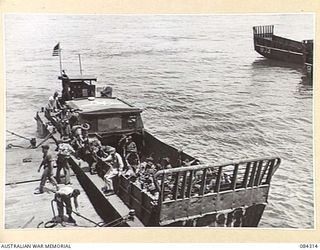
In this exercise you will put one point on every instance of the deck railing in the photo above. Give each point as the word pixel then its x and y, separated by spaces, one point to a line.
pixel 200 189
pixel 197 190
pixel 263 31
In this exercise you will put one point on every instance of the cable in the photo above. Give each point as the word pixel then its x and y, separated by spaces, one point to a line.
pixel 10 145
pixel 52 223
pixel 39 224
pixel 97 224
pixel 18 135
pixel 44 140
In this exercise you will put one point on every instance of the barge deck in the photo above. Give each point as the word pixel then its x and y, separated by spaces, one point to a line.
pixel 24 209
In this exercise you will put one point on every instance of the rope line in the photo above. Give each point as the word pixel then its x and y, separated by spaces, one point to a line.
pixel 53 223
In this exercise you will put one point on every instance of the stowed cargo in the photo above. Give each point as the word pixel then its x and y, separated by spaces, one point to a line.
pixel 192 193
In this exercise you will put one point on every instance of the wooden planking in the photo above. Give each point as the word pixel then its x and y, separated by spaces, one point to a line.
pixel 113 201
pixel 23 208
pixel 121 208
pixel 17 170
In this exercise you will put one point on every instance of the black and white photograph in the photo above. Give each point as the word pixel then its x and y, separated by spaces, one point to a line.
pixel 159 120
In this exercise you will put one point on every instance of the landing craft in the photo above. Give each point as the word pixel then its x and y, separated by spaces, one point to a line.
pixel 283 49
pixel 189 194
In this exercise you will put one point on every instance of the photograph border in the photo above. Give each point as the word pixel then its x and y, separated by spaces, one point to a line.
pixel 164 234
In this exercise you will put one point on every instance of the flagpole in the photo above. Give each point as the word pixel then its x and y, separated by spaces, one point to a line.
pixel 60 61
pixel 57 52
pixel 80 65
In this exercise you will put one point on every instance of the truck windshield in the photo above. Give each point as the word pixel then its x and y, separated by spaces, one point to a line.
pixel 109 123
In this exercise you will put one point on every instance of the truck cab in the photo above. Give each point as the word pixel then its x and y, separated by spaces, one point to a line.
pixel 109 117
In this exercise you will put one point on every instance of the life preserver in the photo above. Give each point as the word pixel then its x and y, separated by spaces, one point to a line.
pixel 85 126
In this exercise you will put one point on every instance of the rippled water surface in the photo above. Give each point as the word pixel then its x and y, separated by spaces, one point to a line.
pixel 202 86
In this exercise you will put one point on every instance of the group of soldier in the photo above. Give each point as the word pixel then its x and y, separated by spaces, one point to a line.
pixel 64 194
pixel 103 160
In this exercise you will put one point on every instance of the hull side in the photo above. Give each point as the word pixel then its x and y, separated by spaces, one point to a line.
pixel 239 217
pixel 159 149
pixel 279 48
pixel 279 54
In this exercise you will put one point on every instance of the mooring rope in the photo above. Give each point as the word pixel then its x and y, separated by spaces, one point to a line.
pixel 52 223
pixel 13 133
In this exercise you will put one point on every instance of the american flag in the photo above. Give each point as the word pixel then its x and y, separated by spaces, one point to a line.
pixel 56 50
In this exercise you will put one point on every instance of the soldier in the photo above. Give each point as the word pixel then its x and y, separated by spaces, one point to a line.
pixel 85 131
pixel 51 106
pixel 64 152
pixel 77 141
pixel 129 148
pixel 130 145
pixel 132 163
pixel 94 153
pixel 66 128
pixel 66 95
pixel 56 99
pixel 63 198
pixel 83 141
pixel 115 163
pixel 150 168
pixel 74 118
pixel 47 164
pixel 166 163
pixel 64 74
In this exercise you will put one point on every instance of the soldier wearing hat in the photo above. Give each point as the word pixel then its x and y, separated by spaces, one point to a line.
pixel 66 92
pixel 101 166
pixel 66 128
pixel 166 163
pixel 64 152
pixel 51 106
pixel 47 164
pixel 132 158
pixel 143 166
pixel 85 134
pixel 131 146
pixel 81 139
pixel 116 167
pixel 132 164
pixel 53 103
pixel 80 136
pixel 94 152
pixel 74 119
pixel 150 168
pixel 76 141
pixel 130 149
pixel 56 98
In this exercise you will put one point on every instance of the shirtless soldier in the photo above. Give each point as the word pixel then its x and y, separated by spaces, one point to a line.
pixel 47 164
